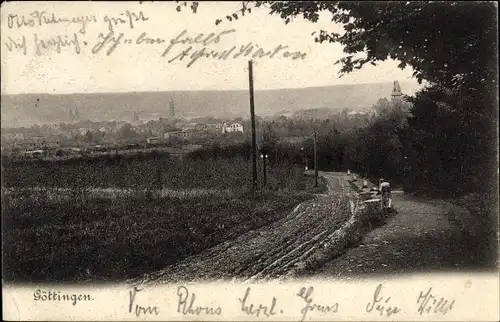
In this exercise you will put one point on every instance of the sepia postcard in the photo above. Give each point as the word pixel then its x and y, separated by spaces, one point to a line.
pixel 250 161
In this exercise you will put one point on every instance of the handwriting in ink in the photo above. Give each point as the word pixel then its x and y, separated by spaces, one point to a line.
pixel 57 43
pixel 143 38
pixel 125 18
pixel 257 310
pixel 192 53
pixel 138 310
pixel 260 52
pixel 40 18
pixel 377 298
pixel 195 55
pixel 17 44
pixel 305 294
pixel 186 308
pixel 109 38
pixel 202 39
pixel 428 302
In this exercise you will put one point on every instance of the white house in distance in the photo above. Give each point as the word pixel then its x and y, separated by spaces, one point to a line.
pixel 153 140
pixel 177 134
pixel 235 127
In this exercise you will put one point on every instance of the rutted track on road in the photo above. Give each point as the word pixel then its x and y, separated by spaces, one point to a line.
pixel 271 251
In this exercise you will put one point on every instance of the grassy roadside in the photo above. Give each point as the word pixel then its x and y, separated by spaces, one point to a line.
pixel 480 223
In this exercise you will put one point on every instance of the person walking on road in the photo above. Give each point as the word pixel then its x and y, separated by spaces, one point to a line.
pixel 385 191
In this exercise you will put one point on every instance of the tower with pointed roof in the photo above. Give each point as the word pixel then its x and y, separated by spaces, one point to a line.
pixel 396 94
pixel 172 108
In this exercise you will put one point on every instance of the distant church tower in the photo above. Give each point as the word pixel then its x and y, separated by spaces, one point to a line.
pixel 77 114
pixel 396 94
pixel 171 108
pixel 70 114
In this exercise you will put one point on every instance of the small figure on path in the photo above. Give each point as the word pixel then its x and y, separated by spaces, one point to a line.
pixel 385 190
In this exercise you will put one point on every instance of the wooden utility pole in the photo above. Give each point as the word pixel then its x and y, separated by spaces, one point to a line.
pixel 252 117
pixel 315 161
pixel 264 157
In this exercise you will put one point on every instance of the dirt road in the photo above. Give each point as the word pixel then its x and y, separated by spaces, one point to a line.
pixel 421 237
pixel 272 250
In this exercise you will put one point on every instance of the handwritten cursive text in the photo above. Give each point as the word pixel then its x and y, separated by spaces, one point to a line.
pixel 39 18
pixel 186 305
pixel 257 310
pixel 428 303
pixel 138 310
pixel 377 298
pixel 17 44
pixel 57 43
pixel 305 294
pixel 127 17
pixel 109 38
pixel 205 40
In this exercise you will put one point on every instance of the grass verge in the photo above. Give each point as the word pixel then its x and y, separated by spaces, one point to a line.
pixel 83 237
pixel 480 223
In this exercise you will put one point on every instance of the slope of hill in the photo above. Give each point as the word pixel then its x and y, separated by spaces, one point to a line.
pixel 27 109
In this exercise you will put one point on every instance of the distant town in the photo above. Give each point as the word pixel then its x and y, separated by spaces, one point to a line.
pixel 172 134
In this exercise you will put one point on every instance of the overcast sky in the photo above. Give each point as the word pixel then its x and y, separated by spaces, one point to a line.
pixel 133 67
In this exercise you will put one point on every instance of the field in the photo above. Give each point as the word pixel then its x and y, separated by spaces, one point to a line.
pixel 115 219
pixel 145 172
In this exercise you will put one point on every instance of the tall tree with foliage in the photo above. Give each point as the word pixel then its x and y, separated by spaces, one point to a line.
pixel 89 137
pixel 451 45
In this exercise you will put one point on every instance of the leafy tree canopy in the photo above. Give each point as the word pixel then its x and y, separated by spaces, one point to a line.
pixel 448 135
